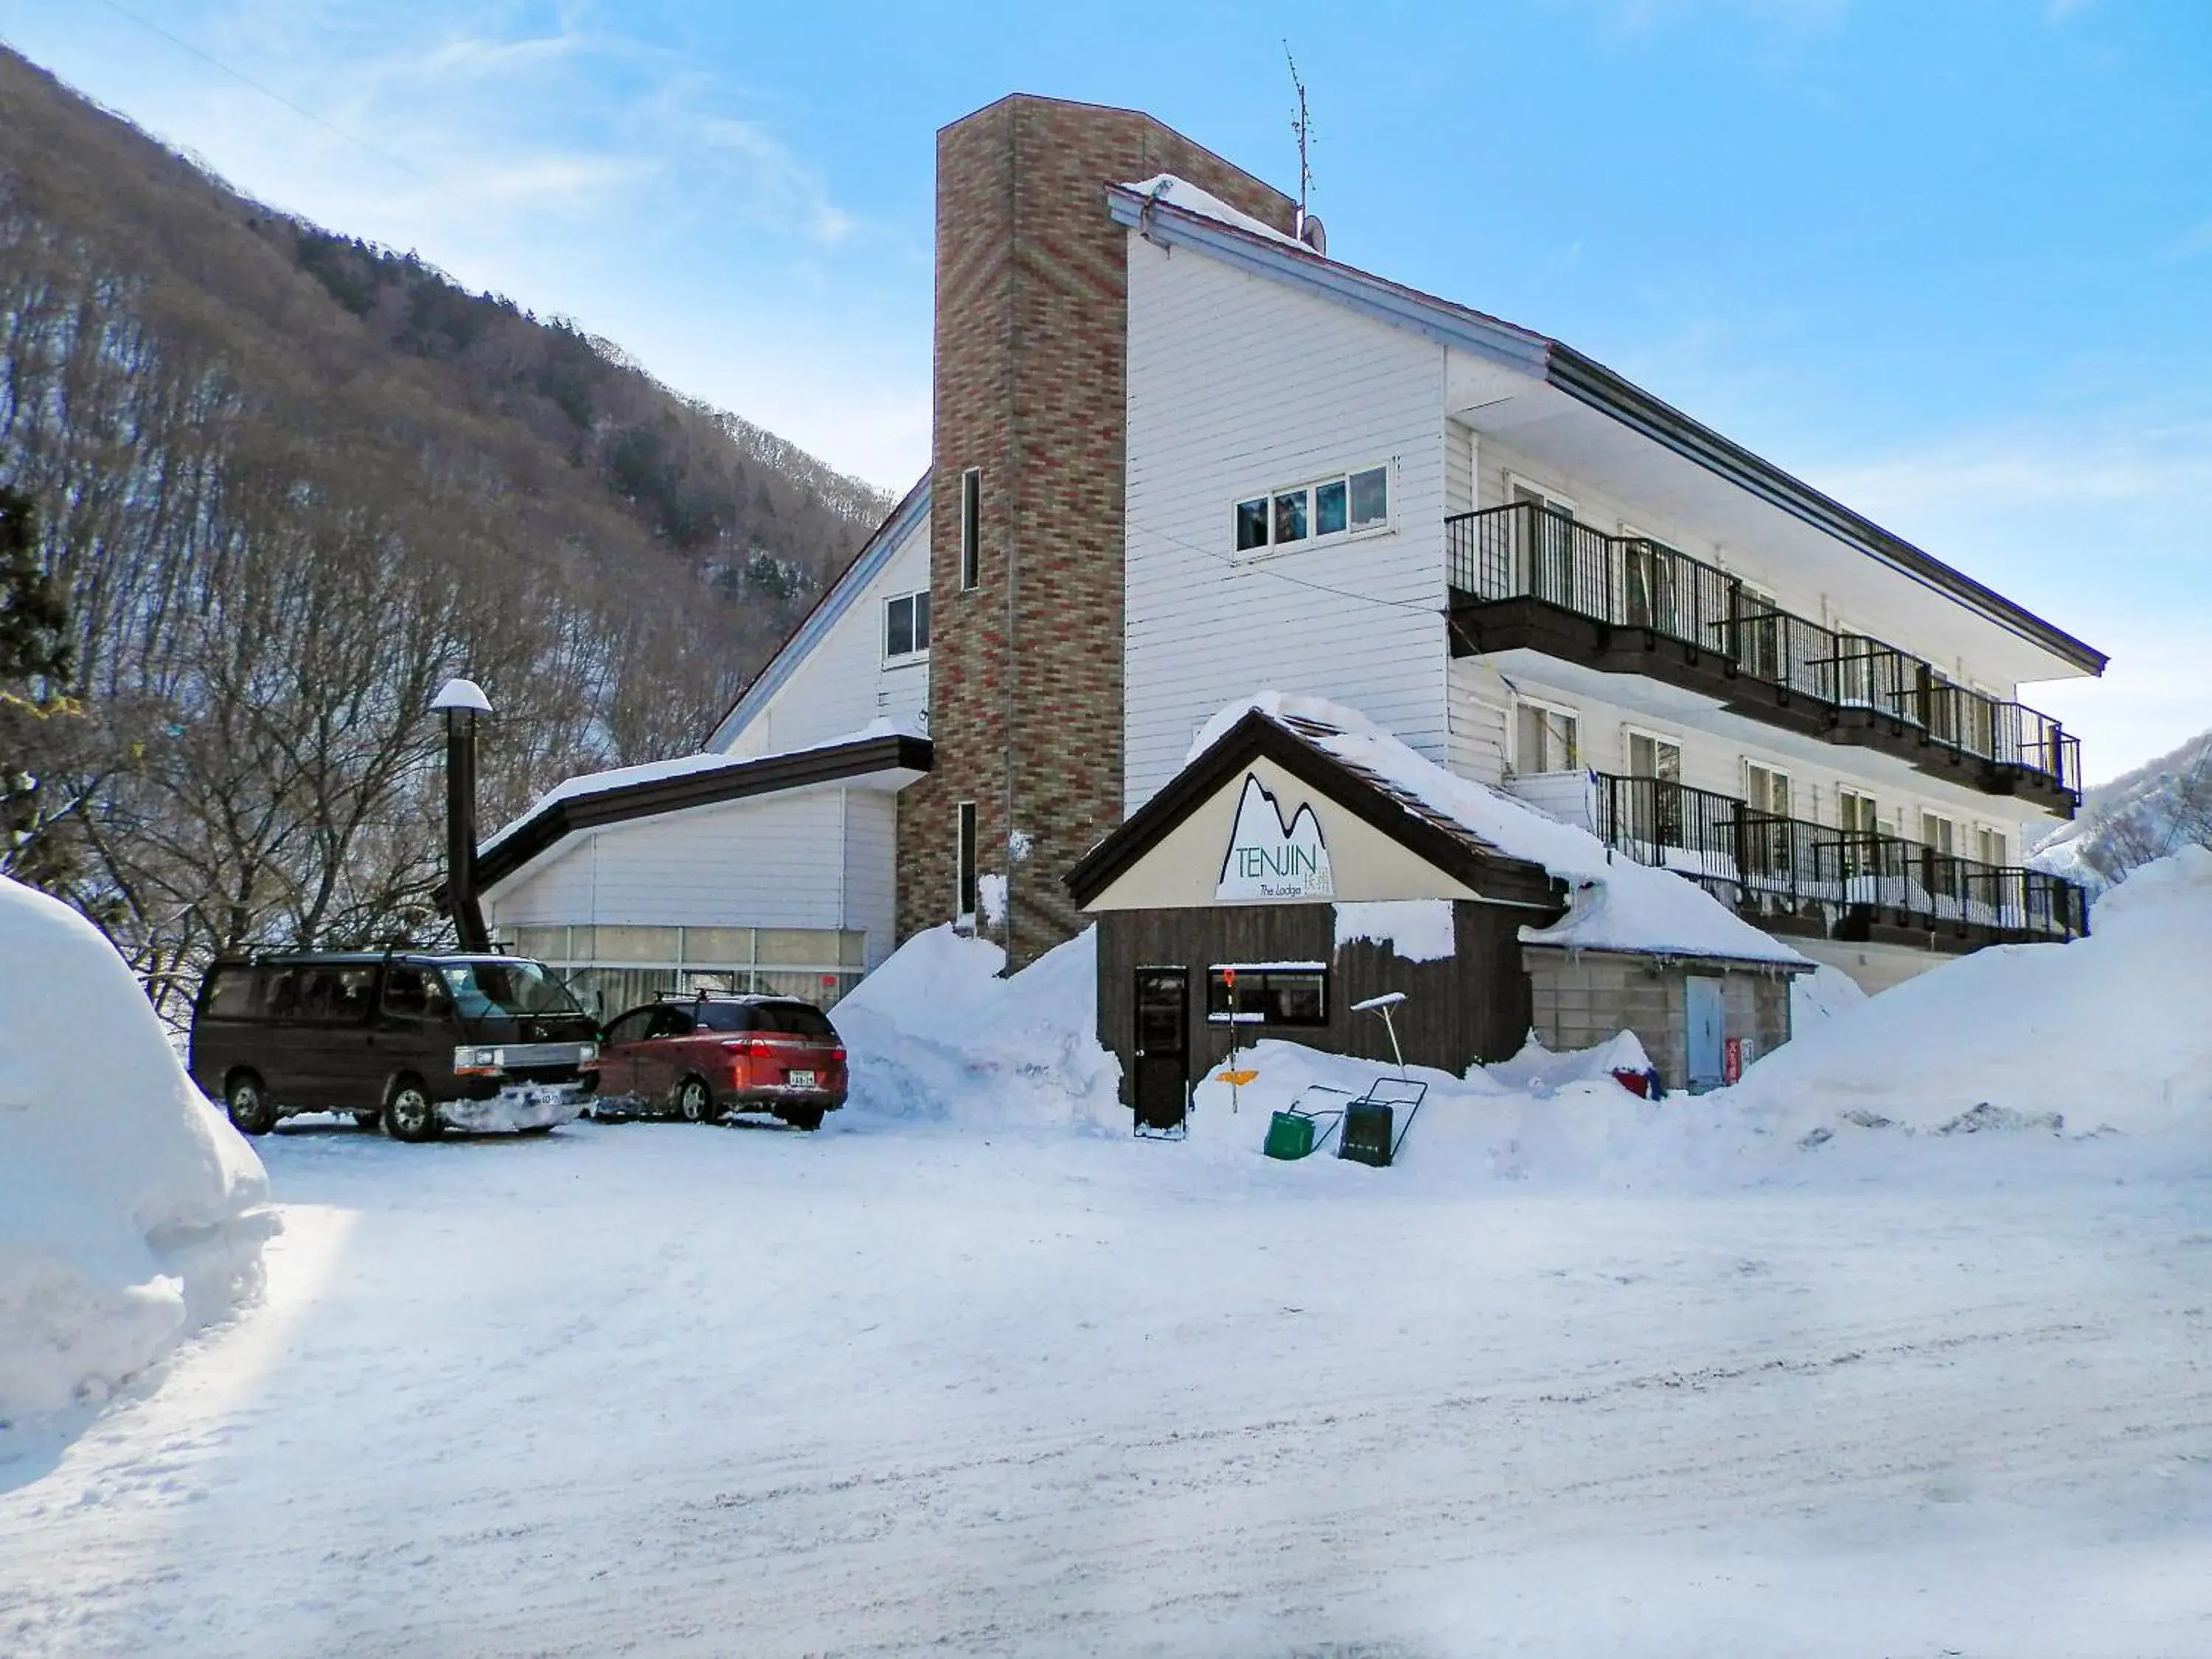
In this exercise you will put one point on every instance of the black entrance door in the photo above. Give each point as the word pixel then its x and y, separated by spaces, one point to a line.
pixel 1161 1085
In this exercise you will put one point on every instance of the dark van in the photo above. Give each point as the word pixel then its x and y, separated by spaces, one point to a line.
pixel 419 1041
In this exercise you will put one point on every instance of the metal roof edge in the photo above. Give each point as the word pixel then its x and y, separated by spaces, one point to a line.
pixel 1378 297
pixel 874 554
pixel 762 775
pixel 1592 384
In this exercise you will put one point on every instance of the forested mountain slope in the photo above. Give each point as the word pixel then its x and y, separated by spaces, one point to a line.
pixel 286 484
pixel 2148 813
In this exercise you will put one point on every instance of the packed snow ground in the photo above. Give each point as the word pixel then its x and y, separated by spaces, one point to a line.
pixel 972 1371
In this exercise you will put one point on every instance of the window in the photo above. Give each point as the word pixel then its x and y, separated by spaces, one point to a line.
pixel 1990 845
pixel 905 627
pixel 1545 740
pixel 1758 633
pixel 971 511
pixel 1939 834
pixel 230 994
pixel 1348 504
pixel 1655 806
pixel 335 993
pixel 1855 817
pixel 630 1027
pixel 1766 790
pixel 1547 535
pixel 412 992
pixel 964 862
pixel 1277 994
pixel 1651 756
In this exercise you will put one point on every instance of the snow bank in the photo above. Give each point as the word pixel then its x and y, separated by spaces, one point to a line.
pixel 130 1212
pixel 935 1033
pixel 1613 904
pixel 1541 1119
pixel 2108 1030
pixel 1818 997
pixel 1415 930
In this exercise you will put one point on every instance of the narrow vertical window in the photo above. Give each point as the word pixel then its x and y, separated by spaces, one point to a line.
pixel 965 859
pixel 971 511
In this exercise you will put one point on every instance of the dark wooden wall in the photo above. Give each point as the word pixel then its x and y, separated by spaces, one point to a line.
pixel 1475 1005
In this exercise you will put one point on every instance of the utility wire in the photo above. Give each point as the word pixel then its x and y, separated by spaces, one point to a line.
pixel 266 92
pixel 1259 567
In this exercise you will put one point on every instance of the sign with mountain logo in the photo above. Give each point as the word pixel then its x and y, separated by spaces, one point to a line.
pixel 1268 859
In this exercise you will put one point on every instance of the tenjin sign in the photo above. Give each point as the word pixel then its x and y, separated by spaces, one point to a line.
pixel 1268 859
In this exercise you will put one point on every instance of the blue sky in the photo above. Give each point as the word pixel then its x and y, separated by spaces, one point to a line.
pixel 1949 259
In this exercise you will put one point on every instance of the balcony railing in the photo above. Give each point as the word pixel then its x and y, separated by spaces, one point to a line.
pixel 1753 859
pixel 1530 551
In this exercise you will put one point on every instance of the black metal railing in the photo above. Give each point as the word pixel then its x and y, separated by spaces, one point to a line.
pixel 1527 550
pixel 1748 859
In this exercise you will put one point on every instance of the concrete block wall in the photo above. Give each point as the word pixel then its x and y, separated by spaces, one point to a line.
pixel 1582 998
pixel 1030 387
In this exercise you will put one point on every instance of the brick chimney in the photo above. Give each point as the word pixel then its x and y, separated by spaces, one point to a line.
pixel 1031 359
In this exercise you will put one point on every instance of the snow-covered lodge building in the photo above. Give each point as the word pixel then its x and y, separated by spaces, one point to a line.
pixel 1182 455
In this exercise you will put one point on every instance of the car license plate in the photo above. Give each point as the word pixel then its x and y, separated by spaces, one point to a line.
pixel 800 1080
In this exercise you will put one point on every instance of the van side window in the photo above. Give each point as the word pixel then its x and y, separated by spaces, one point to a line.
pixel 280 998
pixel 412 992
pixel 230 993
pixel 335 993
pixel 630 1027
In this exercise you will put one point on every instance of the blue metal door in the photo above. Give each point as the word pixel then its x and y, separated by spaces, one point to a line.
pixel 1705 1022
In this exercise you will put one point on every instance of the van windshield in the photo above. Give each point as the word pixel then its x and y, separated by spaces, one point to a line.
pixel 512 988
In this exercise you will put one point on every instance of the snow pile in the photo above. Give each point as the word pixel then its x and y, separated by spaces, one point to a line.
pixel 1181 193
pixel 131 1213
pixel 935 1033
pixel 1542 1119
pixel 1818 997
pixel 1613 904
pixel 1416 930
pixel 2110 1030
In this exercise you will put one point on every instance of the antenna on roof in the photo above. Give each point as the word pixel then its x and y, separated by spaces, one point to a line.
pixel 1308 227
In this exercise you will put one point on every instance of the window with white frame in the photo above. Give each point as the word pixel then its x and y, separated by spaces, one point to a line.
pixel 1990 845
pixel 905 627
pixel 1546 740
pixel 1655 801
pixel 1938 833
pixel 1335 507
pixel 1651 755
pixel 1766 790
pixel 1855 817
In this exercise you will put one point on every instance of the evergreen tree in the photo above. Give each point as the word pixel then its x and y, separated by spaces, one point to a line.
pixel 34 665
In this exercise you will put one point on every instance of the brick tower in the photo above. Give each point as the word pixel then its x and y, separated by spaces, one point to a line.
pixel 1031 360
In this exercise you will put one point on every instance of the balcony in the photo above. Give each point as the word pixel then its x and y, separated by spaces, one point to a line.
pixel 1790 875
pixel 1529 577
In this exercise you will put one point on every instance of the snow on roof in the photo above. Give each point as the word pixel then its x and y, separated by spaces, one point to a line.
pixel 624 777
pixel 1613 904
pixel 1180 192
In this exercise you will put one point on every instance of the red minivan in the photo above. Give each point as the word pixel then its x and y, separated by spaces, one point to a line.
pixel 700 1056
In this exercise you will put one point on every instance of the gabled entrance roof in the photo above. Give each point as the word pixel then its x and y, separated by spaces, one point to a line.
pixel 1449 846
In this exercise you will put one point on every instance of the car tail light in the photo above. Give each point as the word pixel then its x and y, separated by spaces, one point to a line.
pixel 750 1047
pixel 837 1056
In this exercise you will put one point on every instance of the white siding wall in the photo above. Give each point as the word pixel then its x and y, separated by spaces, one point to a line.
pixel 843 682
pixel 871 864
pixel 778 861
pixel 1238 383
pixel 1481 707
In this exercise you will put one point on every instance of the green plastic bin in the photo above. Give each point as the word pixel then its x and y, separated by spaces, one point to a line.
pixel 1290 1136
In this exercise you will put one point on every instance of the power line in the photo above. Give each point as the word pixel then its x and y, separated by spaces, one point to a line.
pixel 1257 568
pixel 267 92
